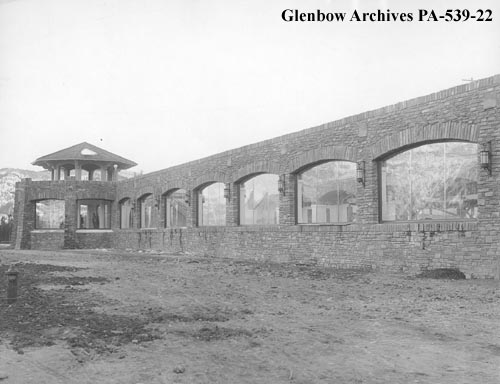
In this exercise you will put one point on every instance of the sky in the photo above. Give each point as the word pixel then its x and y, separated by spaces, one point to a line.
pixel 163 82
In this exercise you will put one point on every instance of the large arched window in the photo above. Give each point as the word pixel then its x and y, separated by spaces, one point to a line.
pixel 176 209
pixel 125 213
pixel 146 203
pixel 49 214
pixel 259 200
pixel 433 181
pixel 212 205
pixel 327 193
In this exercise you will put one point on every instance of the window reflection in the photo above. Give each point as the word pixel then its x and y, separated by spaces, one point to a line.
pixel 327 193
pixel 212 205
pixel 126 214
pixel 146 204
pixel 259 200
pixel 176 209
pixel 94 214
pixel 433 181
pixel 49 214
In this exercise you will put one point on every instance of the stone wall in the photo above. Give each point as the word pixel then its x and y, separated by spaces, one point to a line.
pixel 28 192
pixel 470 112
pixel 393 247
pixel 48 240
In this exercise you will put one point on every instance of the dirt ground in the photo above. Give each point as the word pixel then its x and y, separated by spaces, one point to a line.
pixel 132 317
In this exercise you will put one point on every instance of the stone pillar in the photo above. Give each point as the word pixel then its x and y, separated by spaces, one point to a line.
pixel 156 214
pixel 195 205
pixel 78 171
pixel 189 212
pixel 161 211
pixel 115 214
pixel 70 219
pixel 104 173
pixel 24 217
pixel 232 205
pixel 287 201
pixel 367 199
pixel 136 217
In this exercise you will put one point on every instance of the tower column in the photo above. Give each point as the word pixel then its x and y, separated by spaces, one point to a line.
pixel 104 173
pixel 78 170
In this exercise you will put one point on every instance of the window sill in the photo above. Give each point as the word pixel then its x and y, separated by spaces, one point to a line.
pixel 213 226
pixel 326 224
pixel 104 230
pixel 428 221
pixel 48 230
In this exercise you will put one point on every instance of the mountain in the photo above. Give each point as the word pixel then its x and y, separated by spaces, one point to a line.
pixel 10 176
pixel 8 179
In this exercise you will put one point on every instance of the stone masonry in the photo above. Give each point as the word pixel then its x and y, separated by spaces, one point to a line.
pixel 470 112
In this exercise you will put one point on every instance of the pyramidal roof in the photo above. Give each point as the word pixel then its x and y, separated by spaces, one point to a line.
pixel 84 152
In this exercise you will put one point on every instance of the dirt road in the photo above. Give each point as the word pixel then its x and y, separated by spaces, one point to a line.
pixel 129 318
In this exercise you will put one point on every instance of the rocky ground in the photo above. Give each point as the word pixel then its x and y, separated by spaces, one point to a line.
pixel 130 317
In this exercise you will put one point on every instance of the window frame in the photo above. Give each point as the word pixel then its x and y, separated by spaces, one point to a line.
pixel 309 167
pixel 141 202
pixel 199 205
pixel 61 224
pixel 241 201
pixel 401 150
pixel 167 200
pixel 107 215
pixel 131 218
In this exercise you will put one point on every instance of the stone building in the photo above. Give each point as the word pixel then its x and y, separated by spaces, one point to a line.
pixel 406 187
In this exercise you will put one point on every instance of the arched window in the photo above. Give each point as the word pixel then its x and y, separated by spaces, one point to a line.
pixel 212 205
pixel 429 182
pixel 146 203
pixel 94 214
pixel 126 214
pixel 49 214
pixel 326 193
pixel 84 174
pixel 176 209
pixel 259 200
pixel 66 171
pixel 89 172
